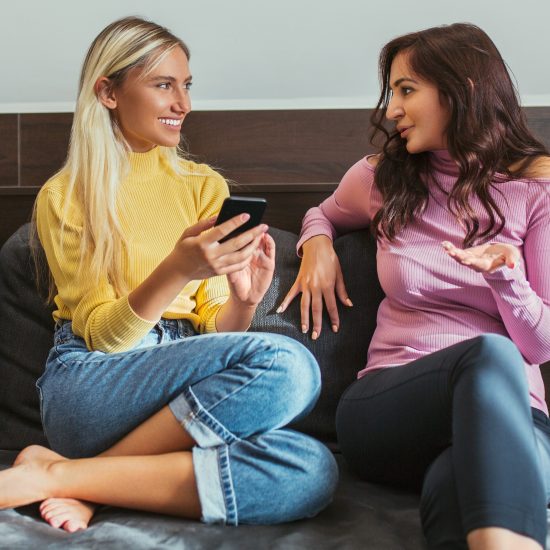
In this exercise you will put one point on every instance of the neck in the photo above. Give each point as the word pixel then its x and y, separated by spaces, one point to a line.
pixel 442 161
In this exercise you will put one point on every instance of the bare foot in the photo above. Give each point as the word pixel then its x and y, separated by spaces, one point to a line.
pixel 29 479
pixel 68 513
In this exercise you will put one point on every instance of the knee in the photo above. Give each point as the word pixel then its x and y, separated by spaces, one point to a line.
pixel 319 480
pixel 297 477
pixel 494 359
pixel 294 373
pixel 490 346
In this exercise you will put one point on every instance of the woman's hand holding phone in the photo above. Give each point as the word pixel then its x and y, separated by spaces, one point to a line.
pixel 199 254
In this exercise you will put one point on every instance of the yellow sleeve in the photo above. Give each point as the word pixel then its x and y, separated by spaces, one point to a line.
pixel 106 323
pixel 213 292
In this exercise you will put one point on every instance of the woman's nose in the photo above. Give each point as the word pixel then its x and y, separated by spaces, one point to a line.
pixel 394 110
pixel 183 102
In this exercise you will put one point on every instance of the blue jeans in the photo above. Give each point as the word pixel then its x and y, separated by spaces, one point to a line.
pixel 232 392
pixel 456 425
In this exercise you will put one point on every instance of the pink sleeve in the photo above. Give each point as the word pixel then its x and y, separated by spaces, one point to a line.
pixel 347 209
pixel 523 297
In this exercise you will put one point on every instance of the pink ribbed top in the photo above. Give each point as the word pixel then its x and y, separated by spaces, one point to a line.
pixel 433 302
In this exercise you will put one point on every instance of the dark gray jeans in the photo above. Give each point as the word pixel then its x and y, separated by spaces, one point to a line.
pixel 458 426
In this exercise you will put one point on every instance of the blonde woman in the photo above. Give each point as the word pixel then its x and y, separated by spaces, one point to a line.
pixel 149 369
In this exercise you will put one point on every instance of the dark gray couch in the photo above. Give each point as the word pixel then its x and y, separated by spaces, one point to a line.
pixel 361 516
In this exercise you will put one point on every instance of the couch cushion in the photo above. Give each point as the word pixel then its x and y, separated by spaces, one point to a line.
pixel 341 355
pixel 362 515
pixel 26 328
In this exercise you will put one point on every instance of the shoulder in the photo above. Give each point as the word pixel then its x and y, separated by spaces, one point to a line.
pixel 202 175
pixel 197 169
pixel 363 170
pixel 373 160
pixel 57 183
pixel 538 169
pixel 358 182
pixel 52 193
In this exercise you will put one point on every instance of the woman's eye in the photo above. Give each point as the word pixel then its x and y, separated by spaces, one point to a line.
pixel 406 91
pixel 188 85
pixel 164 85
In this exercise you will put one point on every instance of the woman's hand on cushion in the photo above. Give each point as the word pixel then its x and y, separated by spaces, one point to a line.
pixel 319 276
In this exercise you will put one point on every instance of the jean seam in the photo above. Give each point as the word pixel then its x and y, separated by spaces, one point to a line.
pixel 243 386
pixel 377 394
pixel 201 414
pixel 41 403
pixel 131 353
pixel 231 512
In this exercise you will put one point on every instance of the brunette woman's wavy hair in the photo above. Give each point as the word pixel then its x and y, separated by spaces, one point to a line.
pixel 487 131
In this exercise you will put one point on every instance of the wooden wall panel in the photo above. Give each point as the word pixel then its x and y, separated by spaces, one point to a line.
pixel 293 158
pixel 538 119
pixel 15 210
pixel 44 142
pixel 9 162
pixel 279 146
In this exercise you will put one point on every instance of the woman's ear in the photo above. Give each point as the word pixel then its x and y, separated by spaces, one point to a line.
pixel 105 93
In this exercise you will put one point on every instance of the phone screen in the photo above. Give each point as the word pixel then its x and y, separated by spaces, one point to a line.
pixel 233 206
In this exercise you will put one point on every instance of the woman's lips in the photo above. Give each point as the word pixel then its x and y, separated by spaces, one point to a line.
pixel 403 132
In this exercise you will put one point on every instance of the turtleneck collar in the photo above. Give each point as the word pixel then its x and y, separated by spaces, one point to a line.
pixel 143 163
pixel 442 161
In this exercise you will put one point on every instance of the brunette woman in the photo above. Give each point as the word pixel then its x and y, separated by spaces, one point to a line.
pixel 451 399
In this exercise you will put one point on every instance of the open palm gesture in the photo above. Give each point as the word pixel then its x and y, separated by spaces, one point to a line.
pixel 249 284
pixel 484 258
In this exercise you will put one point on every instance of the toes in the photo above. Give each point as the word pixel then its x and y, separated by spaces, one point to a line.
pixel 68 514
pixel 49 506
pixel 74 525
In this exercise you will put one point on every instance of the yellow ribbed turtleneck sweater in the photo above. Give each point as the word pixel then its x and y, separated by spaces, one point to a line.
pixel 158 206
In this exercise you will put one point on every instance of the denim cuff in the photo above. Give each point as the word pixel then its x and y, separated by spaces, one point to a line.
pixel 214 485
pixel 198 422
pixel 210 459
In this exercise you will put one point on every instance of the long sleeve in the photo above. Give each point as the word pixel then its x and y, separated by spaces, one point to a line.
pixel 158 205
pixel 349 208
pixel 95 308
pixel 523 295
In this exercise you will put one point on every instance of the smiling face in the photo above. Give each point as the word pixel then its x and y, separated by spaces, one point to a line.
pixel 416 107
pixel 150 110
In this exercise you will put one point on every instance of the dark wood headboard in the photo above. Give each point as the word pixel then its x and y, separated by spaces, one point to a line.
pixel 294 158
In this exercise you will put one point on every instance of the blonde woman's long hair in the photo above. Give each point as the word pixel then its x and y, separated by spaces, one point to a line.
pixel 98 156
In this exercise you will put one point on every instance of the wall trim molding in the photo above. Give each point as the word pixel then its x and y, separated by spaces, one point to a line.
pixel 268 104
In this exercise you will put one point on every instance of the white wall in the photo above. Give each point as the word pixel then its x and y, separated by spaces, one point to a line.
pixel 264 54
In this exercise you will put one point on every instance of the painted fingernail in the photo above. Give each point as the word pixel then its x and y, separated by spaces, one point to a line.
pixel 304 329
pixel 279 309
pixel 314 335
pixel 349 302
pixel 334 328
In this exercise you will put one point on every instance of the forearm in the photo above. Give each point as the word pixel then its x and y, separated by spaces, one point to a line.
pixel 234 316
pixel 152 297
pixel 525 315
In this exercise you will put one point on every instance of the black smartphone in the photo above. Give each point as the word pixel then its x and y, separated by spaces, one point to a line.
pixel 233 206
